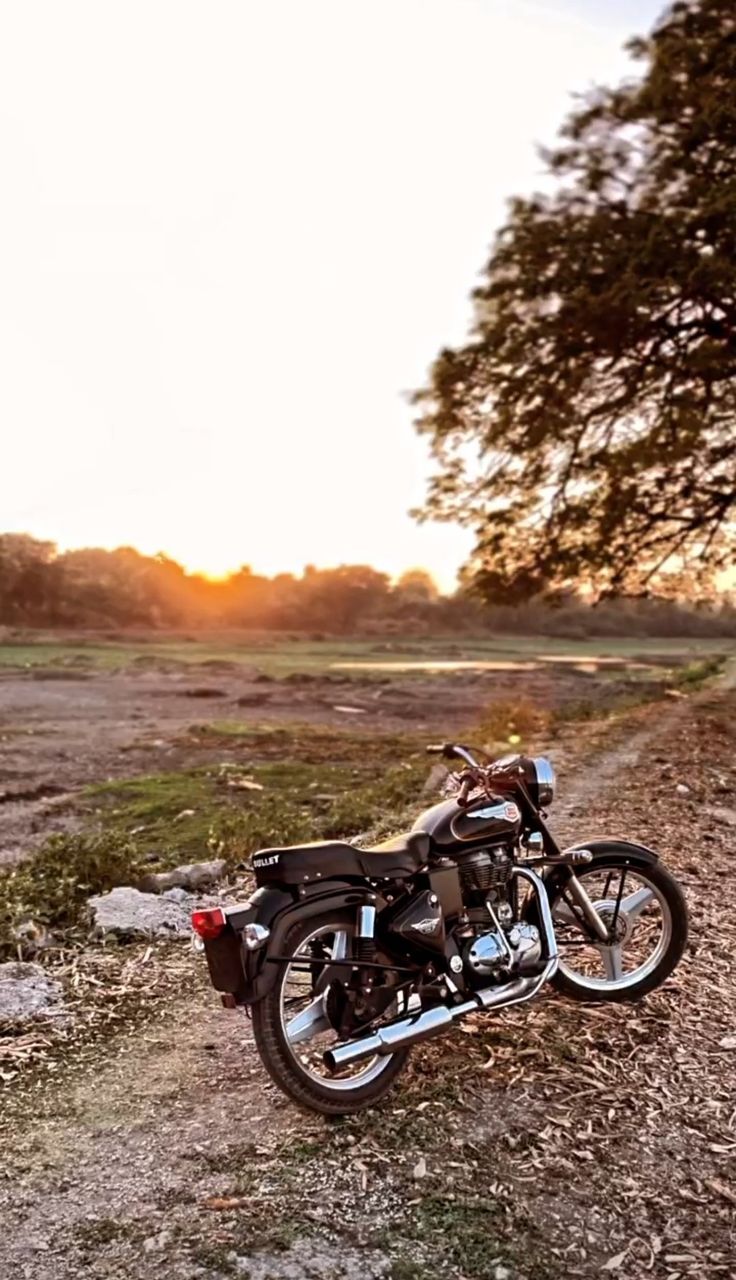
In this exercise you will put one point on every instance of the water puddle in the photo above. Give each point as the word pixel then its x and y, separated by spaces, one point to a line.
pixel 587 664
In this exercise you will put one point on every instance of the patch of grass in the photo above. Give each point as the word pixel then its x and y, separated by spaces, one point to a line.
pixel 146 823
pixel 286 786
pixel 246 1236
pixel 50 889
pixel 696 674
pixel 154 811
pixel 475 1237
pixel 406 1269
pixel 91 1236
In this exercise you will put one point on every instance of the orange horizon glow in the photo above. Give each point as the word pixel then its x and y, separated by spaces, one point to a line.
pixel 219 286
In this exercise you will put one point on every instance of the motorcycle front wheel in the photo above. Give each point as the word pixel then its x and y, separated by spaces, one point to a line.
pixel 643 908
pixel 293 1024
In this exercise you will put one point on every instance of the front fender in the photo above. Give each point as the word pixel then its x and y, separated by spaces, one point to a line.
pixel 602 848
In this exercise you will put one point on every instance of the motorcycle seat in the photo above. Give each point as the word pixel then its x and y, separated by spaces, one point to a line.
pixel 335 859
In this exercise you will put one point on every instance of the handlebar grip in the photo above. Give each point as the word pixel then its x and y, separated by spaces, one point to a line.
pixel 463 795
pixel 445 749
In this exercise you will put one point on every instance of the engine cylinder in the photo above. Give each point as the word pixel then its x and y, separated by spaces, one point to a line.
pixel 484 870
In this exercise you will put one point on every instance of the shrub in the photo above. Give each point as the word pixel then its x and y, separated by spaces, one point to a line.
pixel 50 889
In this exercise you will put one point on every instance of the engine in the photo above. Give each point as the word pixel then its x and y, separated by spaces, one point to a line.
pixel 491 943
pixel 482 872
pixel 491 954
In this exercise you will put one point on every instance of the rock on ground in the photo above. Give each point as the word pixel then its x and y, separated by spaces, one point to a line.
pixel 195 875
pixel 128 913
pixel 311 1259
pixel 26 991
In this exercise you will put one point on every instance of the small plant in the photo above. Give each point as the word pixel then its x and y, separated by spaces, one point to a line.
pixel 50 889
pixel 511 724
pixel 695 674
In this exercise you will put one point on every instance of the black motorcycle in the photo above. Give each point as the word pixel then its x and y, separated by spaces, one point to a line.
pixel 346 957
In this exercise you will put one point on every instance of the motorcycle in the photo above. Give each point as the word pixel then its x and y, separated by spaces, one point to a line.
pixel 346 957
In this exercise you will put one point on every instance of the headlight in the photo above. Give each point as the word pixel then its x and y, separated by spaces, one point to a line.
pixel 544 781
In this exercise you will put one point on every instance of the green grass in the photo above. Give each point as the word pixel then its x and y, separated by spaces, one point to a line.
pixel 331 786
pixel 248 805
pixel 278 657
pixel 48 891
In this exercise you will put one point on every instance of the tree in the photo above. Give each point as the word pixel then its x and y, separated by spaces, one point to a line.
pixel 29 582
pixel 339 599
pixel 597 391
pixel 417 586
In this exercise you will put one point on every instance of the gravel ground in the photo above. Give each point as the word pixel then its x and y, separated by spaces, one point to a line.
pixel 557 1140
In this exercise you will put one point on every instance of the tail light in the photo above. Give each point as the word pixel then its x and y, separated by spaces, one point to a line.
pixel 209 924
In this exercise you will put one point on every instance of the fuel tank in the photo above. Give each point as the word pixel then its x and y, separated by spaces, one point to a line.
pixel 483 822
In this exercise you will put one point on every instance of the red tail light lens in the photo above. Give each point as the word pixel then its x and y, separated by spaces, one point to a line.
pixel 209 924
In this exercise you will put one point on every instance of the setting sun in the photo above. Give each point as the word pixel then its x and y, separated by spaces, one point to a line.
pixel 209 332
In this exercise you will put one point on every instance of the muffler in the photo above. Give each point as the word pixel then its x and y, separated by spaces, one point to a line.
pixel 408 1031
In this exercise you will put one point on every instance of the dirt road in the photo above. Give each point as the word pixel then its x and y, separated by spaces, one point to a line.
pixel 557 1140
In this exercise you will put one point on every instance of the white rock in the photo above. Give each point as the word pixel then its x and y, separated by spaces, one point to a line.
pixel 197 875
pixel 194 875
pixel 26 991
pixel 128 913
pixel 682 790
pixel 726 817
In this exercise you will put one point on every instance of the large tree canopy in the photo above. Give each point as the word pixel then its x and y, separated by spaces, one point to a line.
pixel 587 431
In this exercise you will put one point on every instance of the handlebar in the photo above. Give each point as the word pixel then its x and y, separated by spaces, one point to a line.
pixel 498 773
pixel 453 751
pixel 463 796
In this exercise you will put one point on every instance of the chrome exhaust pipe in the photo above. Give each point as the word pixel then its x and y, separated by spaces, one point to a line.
pixel 397 1035
pixel 408 1031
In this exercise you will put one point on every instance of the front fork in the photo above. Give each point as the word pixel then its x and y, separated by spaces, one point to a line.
pixel 579 895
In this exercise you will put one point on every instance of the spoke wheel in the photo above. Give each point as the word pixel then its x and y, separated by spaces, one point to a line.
pixel 294 1024
pixel 643 910
pixel 305 1010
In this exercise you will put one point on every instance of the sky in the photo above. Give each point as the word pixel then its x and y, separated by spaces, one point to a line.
pixel 234 235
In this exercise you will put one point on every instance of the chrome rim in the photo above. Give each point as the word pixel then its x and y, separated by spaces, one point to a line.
pixel 643 930
pixel 307 1030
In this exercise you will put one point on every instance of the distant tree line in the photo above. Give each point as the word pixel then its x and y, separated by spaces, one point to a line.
pixel 41 587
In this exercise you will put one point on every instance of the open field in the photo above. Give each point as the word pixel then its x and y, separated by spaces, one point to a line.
pixel 530 1146
pixel 75 718
pixel 277 655
pixel 552 1142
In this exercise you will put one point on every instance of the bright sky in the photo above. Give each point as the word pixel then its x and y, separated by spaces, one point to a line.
pixel 233 234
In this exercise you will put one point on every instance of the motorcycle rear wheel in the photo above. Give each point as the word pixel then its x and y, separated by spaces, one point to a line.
pixel 293 1014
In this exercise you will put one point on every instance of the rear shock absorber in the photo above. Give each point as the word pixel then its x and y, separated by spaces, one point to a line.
pixel 365 942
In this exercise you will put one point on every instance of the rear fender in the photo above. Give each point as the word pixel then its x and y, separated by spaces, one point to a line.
pixel 248 975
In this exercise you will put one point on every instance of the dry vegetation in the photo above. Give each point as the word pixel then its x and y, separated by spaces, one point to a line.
pixel 554 1141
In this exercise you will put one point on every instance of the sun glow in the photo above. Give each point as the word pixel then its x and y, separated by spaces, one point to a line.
pixel 208 332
